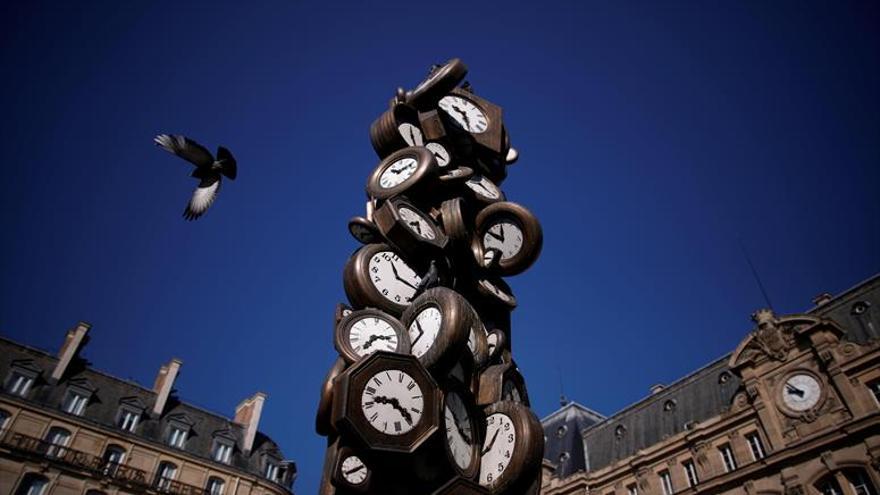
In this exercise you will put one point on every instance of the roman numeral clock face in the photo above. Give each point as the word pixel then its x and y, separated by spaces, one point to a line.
pixel 467 115
pixel 398 172
pixel 392 402
pixel 393 278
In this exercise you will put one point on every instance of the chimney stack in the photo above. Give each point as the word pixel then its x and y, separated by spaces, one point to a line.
pixel 76 338
pixel 247 414
pixel 164 383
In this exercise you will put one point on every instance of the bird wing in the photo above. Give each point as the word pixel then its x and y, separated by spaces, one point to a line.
pixel 202 197
pixel 185 148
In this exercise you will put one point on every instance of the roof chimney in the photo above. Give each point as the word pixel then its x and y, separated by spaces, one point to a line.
pixel 76 338
pixel 247 414
pixel 164 383
pixel 656 389
pixel 822 298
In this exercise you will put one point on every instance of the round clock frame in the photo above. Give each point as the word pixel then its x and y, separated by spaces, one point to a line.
pixel 532 237
pixel 812 409
pixel 323 418
pixel 338 477
pixel 396 229
pixel 451 336
pixel 358 279
pixel 440 81
pixel 528 447
pixel 385 133
pixel 425 167
pixel 342 335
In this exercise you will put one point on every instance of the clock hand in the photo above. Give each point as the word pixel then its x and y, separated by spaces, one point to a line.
pixel 381 399
pixel 421 332
pixel 352 471
pixel 491 443
pixel 493 234
pixel 501 228
pixel 461 432
pixel 374 338
pixel 463 113
pixel 794 390
pixel 417 225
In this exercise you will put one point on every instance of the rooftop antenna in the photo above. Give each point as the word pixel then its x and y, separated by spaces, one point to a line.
pixel 754 272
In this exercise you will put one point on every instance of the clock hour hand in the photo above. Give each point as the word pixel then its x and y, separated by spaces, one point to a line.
pixel 417 225
pixel 374 338
pixel 467 120
pixel 794 390
pixel 491 443
pixel 380 399
pixel 467 438
pixel 421 332
pixel 354 470
pixel 493 234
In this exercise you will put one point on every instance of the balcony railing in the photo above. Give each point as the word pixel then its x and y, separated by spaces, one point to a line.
pixel 96 466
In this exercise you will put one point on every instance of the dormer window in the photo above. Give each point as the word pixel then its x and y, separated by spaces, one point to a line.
pixel 222 451
pixel 75 402
pixel 177 435
pixel 128 418
pixel 272 471
pixel 19 382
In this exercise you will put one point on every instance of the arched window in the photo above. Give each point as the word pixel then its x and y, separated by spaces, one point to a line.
pixel 165 475
pixel 846 482
pixel 32 484
pixel 57 438
pixel 215 486
pixel 114 456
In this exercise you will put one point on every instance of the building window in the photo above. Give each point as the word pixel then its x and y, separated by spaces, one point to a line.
pixel 727 458
pixel 215 486
pixel 4 418
pixel 19 383
pixel 32 484
pixel 874 387
pixel 632 489
pixel 165 475
pixel 222 451
pixel 113 458
pixel 75 402
pixel 859 482
pixel 272 471
pixel 57 439
pixel 756 446
pixel 176 436
pixel 690 472
pixel 128 419
pixel 666 483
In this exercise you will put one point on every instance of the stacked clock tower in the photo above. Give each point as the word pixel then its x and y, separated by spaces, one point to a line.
pixel 426 397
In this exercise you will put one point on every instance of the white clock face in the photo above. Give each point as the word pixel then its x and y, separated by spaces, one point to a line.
pixel 417 223
pixel 424 329
pixel 459 433
pixel 411 134
pixel 492 341
pixel 398 172
pixel 500 294
pixel 801 392
pixel 371 334
pixel 392 402
pixel 353 470
pixel 484 187
pixel 439 152
pixel 465 114
pixel 506 236
pixel 498 448
pixel 393 278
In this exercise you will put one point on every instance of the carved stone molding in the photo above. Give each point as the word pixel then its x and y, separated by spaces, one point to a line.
pixel 827 459
pixel 794 490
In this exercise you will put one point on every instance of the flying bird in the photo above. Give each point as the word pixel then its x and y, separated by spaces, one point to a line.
pixel 208 170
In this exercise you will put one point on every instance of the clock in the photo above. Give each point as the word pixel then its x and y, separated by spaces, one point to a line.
pixel 483 190
pixel 323 424
pixel 363 230
pixel 476 116
pixel 438 323
pixel 456 217
pixel 512 449
pixel 463 425
pixel 441 154
pixel 377 276
pixel 350 471
pixel 342 310
pixel 496 342
pixel 397 128
pixel 402 171
pixel 366 331
pixel 495 290
pixel 502 382
pixel 457 175
pixel 410 230
pixel 441 80
pixel 800 392
pixel 387 402
pixel 477 343
pixel 513 231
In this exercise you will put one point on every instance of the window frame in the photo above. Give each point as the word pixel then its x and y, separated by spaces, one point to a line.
pixel 874 388
pixel 75 401
pixel 222 450
pixel 212 482
pixel 12 384
pixel 666 482
pixel 57 449
pixel 172 439
pixel 123 415
pixel 728 459
pixel 163 482
pixel 632 489
pixel 756 444
pixel 5 417
pixel 690 473
pixel 30 478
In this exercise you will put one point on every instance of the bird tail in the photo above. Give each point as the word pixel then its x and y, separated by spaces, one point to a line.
pixel 227 162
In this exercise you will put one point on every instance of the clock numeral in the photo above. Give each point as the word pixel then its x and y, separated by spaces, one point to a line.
pixel 369 405
pixel 400 378
pixel 378 381
pixel 370 390
pixel 417 411
pixel 397 426
pixel 410 385
pixel 374 416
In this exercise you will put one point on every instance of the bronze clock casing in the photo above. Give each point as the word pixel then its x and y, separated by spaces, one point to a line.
pixel 342 310
pixel 525 462
pixel 492 139
pixel 364 231
pixel 497 342
pixel 455 324
pixel 533 237
pixel 384 132
pixel 438 84
pixel 341 336
pixel 395 229
pixel 348 417
pixel 480 351
pixel 478 195
pixel 478 428
pixel 457 218
pixel 358 283
pixel 507 299
pixel 337 476
pixel 491 389
pixel 323 419
pixel 426 167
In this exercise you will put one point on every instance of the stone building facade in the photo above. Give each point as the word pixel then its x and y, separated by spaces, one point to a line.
pixel 67 429
pixel 794 410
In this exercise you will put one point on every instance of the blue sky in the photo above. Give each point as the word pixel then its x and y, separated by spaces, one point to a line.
pixel 652 137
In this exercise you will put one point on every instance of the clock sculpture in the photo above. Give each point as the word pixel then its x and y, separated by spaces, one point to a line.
pixel 425 397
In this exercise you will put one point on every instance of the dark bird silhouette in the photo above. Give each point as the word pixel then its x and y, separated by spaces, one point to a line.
pixel 208 170
pixel 430 280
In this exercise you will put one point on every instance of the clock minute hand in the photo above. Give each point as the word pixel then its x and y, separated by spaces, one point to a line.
pixel 421 332
pixel 491 443
pixel 461 432
pixel 354 470
pixel 391 401
pixel 794 390
pixel 374 338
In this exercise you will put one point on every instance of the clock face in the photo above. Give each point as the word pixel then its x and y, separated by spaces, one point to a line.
pixel 417 223
pixel 370 334
pixel 393 278
pixel 505 235
pixel 459 430
pixel 439 152
pixel 492 342
pixel 392 402
pixel 397 172
pixel 494 289
pixel 484 187
pixel 411 134
pixel 353 470
pixel 424 329
pixel 801 392
pixel 498 447
pixel 467 115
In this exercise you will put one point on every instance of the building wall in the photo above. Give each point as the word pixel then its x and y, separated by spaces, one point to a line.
pixel 836 438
